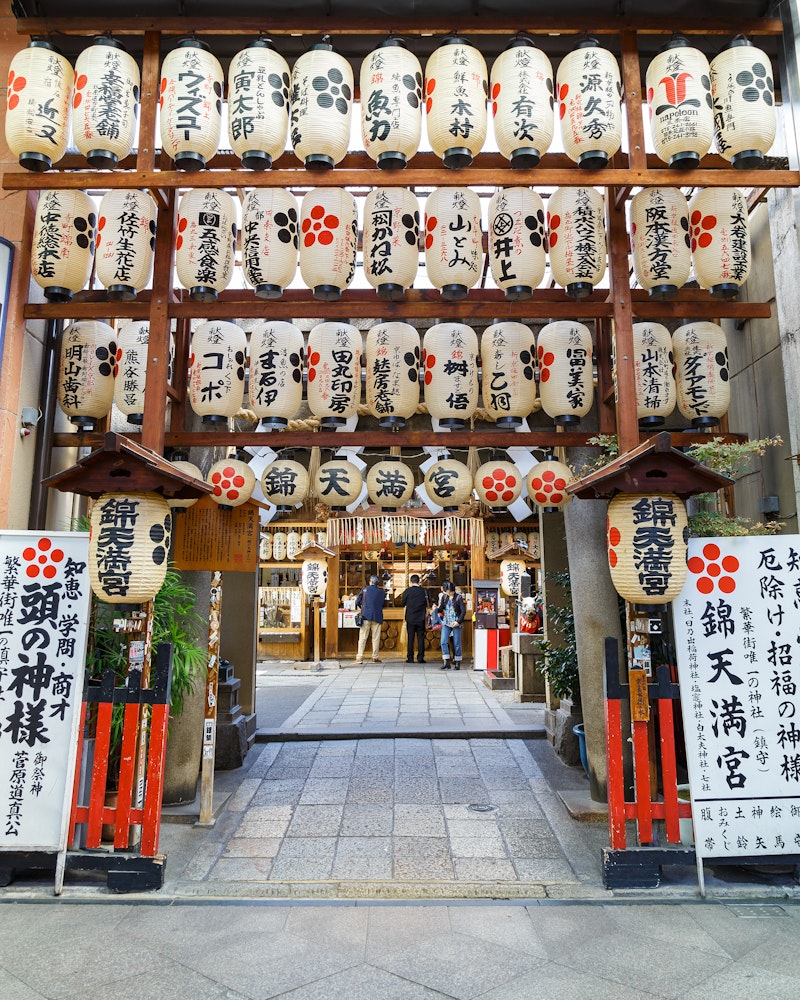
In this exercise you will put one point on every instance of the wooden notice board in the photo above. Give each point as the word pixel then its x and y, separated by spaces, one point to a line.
pixel 210 538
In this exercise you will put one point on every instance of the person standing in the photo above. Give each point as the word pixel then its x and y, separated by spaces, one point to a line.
pixel 452 610
pixel 370 602
pixel 415 601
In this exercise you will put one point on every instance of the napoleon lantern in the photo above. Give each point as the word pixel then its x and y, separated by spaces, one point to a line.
pixel 191 104
pixel 589 92
pixel 270 228
pixel 508 355
pixel 321 104
pixel 391 240
pixel 105 102
pixel 126 240
pixel 660 240
pixel 521 92
pixel 577 239
pixel 63 244
pixel 38 105
pixel 517 241
pixel 391 104
pixel 258 104
pixel 456 88
pixel 679 97
pixel 392 365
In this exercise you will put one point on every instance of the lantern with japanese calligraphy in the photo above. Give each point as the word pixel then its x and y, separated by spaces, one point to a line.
pixel 521 92
pixel 191 104
pixel 132 345
pixel 292 544
pixel 743 92
pixel 702 372
pixel 279 546
pixel 589 91
pixel 456 88
pixel 180 461
pixel 498 484
pixel 646 535
pixel 105 102
pixel 328 241
pixel 453 240
pixel 679 97
pixel 576 237
pixel 265 548
pixel 284 484
pixel 660 241
pixel 448 483
pixel 566 384
pixel 533 544
pixel 391 104
pixel 450 364
pixel 508 353
pixel 547 485
pixel 63 244
pixel 517 241
pixel 321 105
pixel 390 483
pixel 392 359
pixel 338 483
pixel 126 240
pixel 334 372
pixel 87 369
pixel 270 228
pixel 314 577
pixel 653 372
pixel 38 105
pixel 276 372
pixel 720 235
pixel 258 104
pixel 391 240
pixel 511 573
pixel 205 242
pixel 216 371
pixel 233 481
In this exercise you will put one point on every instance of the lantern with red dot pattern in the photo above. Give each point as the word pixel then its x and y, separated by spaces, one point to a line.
pixel 126 241
pixel 508 354
pixel 105 102
pixel 391 104
pixel 720 235
pixel 589 91
pixel 521 92
pixel 191 104
pixel 87 371
pixel 743 91
pixel 334 372
pixel 660 241
pixel 456 87
pixel 576 238
pixel 63 244
pixel 646 535
pixel 328 241
pixel 450 364
pixel 453 240
pixel 517 241
pixel 38 105
pixel 566 385
pixel 205 243
pixel 498 484
pixel 233 481
pixel 547 484
pixel 679 97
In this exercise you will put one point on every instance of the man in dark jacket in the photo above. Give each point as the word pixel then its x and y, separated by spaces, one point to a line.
pixel 370 601
pixel 415 601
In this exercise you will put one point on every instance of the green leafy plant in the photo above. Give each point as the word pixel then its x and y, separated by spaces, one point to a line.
pixel 560 662
pixel 609 450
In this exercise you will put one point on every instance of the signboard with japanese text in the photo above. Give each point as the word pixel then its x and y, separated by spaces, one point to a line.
pixel 207 538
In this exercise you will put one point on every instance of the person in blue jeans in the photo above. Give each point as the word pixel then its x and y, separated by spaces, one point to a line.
pixel 452 611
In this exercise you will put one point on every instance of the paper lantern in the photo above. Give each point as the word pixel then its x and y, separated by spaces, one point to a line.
pixel 129 540
pixel 679 97
pixel 284 484
pixel 492 542
pixel 182 464
pixel 566 385
pixel 63 244
pixel 129 385
pixel 720 235
pixel 743 92
pixel 105 102
pixel 390 483
pixel 589 90
pixel 292 544
pixel 392 365
pixel 216 371
pixel 87 369
pixel 391 104
pixel 276 372
pixel 517 241
pixel 498 484
pixel 126 241
pixel 233 481
pixel 508 355
pixel 38 105
pixel 660 240
pixel 270 227
pixel 314 577
pixel 533 544
pixel 653 372
pixel 448 483
pixel 453 240
pixel 450 363
pixel 456 87
pixel 646 536
pixel 265 548
pixel 258 104
pixel 511 573
pixel 521 92
pixel 338 483
pixel 702 372
pixel 279 546
pixel 321 102
pixel 307 538
pixel 328 241
pixel 576 238
pixel 334 372
pixel 391 240
pixel 546 484
pixel 190 103
pixel 205 242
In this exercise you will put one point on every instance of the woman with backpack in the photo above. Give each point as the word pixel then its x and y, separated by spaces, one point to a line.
pixel 452 611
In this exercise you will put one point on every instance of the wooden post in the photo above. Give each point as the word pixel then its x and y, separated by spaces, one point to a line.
pixel 317 632
pixel 210 718
pixel 145 658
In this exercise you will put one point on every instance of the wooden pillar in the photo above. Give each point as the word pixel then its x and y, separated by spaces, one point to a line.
pixel 332 606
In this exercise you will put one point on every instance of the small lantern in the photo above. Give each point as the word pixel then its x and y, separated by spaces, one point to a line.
pixel 63 244
pixel 390 484
pixel 743 92
pixel 720 234
pixel 453 240
pixel 334 372
pixel 392 365
pixel 314 578
pixel 233 481
pixel 258 104
pixel 589 92
pixel 450 363
pixel 105 102
pixel 276 372
pixel 338 483
pixel 511 573
pixel 279 546
pixel 88 367
pixel 566 384
pixel 321 102
pixel 38 105
pixel 181 462
pixel 660 241
pixel 508 355
pixel 328 241
pixel 292 544
pixel 456 87
pixel 265 549
pixel 521 92
pixel 191 104
pixel 126 241
pixel 391 240
pixel 653 372
pixel 577 239
pixel 702 372
pixel 270 228
pixel 205 242
pixel 391 104
pixel 132 345
pixel 492 542
pixel 517 241
pixel 533 544
pixel 547 484
pixel 679 97
pixel 284 484
pixel 498 484
pixel 448 483
pixel 647 547
pixel 216 371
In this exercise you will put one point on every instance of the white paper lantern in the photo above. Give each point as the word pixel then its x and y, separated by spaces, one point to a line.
pixel 660 240
pixel 720 235
pixel 391 104
pixel 511 573
pixel 328 241
pixel 216 371
pixel 743 91
pixel 390 483
pixel 233 481
pixel 105 102
pixel 453 240
pixel 448 483
pixel 391 240
pixel 126 240
pixel 270 227
pixel 38 105
pixel 63 245
pixel 589 90
pixel 87 369
pixel 292 544
pixel 338 483
pixel 450 363
pixel 546 484
pixel 654 379
pixel 258 104
pixel 508 353
pixel 129 540
pixel 392 366
pixel 132 345
pixel 276 372
pixel 190 469
pixel 321 105
pixel 456 87
pixel 521 92
pixel 314 577
pixel 679 97
pixel 647 547
pixel 284 484
pixel 566 387
pixel 576 237
pixel 498 484
pixel 279 546
pixel 191 104
pixel 334 372
pixel 517 241
pixel 205 242
pixel 702 372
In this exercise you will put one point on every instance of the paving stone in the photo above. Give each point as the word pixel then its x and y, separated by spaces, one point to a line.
pixel 365 819
pixel 251 869
pixel 316 821
pixel 466 790
pixel 363 858
pixel 324 791
pixel 488 845
pixel 413 820
pixel 331 767
pixel 536 841
pixel 281 792
pixel 422 858
pixel 484 870
pixel 420 790
pixel 252 847
pixel 261 828
pixel 544 870
pixel 364 790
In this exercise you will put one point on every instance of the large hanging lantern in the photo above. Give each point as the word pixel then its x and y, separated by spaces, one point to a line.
pixel 679 97
pixel 660 241
pixel 498 484
pixel 511 573
pixel 334 372
pixel 258 104
pixel 338 483
pixel 105 102
pixel 453 240
pixel 720 234
pixel 216 371
pixel 126 240
pixel 63 244
pixel 566 384
pixel 390 483
pixel 517 241
pixel 391 104
pixel 87 369
pixel 448 483
pixel 521 92
pixel 181 462
pixel 233 482
pixel 276 372
pixel 38 105
pixel 314 577
pixel 129 540
pixel 328 241
pixel 508 356
pixel 392 364
pixel 589 90
pixel 456 88
pixel 702 372
pixel 321 102
pixel 547 485
pixel 450 364
pixel 653 372
pixel 205 242
pixel 191 104
pixel 284 484
pixel 391 240
pixel 576 237
pixel 129 386
pixel 646 535
pixel 270 227
pixel 743 92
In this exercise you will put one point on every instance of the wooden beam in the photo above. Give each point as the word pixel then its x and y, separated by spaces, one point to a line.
pixel 627 421
pixel 632 94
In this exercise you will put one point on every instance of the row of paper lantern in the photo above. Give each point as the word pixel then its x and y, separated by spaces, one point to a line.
pixel 691 101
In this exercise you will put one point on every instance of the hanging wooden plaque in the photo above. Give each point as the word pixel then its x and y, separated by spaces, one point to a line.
pixel 208 537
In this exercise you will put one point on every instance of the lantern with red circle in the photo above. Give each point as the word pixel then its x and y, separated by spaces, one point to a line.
pixel 450 364
pixel 646 535
pixel 566 385
pixel 391 104
pixel 38 105
pixel 679 97
pixel 720 235
pixel 508 353
pixel 743 91
pixel 126 240
pixel 105 102
pixel 453 240
pixel 216 371
pixel 191 104
pixel 653 372
pixel 258 104
pixel 576 238
pixel 660 241
pixel 233 481
pixel 392 366
pixel 276 372
pixel 521 92
pixel 334 372
pixel 391 240
pixel 702 372
pixel 448 483
pixel 328 241
pixel 456 87
pixel 517 241
pixel 321 106
pixel 547 485
pixel 270 228
pixel 87 370
pixel 206 242
pixel 62 250
pixel 589 90
pixel 498 484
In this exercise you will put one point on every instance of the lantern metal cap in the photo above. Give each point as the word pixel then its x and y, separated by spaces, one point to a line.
pixel 190 161
pixel 522 38
pixel 43 43
pixel 256 159
pixel 662 292
pixel 262 42
pixel 686 160
pixel 525 158
pixel 589 42
pixel 110 41
pixel 747 159
pixel 391 160
pixel 677 42
pixel 267 291
pixel 457 158
pixel 454 38
pixel 393 41
pixel 324 44
pixel 121 293
pixel 391 291
pixel 191 42
pixel 737 41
